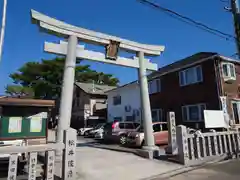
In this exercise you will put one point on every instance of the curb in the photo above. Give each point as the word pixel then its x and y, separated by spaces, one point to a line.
pixel 184 169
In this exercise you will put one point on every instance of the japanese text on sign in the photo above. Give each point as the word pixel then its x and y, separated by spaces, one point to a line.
pixel 50 165
pixel 69 154
pixel 32 166
pixel 12 167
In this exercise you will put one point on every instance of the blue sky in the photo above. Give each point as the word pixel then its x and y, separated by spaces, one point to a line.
pixel 125 18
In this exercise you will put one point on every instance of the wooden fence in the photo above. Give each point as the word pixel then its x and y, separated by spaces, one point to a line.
pixel 68 160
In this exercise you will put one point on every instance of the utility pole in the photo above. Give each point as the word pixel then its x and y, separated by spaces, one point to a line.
pixel 3 27
pixel 236 19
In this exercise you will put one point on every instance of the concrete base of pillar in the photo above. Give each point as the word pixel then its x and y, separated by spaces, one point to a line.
pixel 149 152
pixel 170 150
pixel 150 148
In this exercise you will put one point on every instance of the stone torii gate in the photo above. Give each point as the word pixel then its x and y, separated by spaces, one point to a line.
pixel 73 50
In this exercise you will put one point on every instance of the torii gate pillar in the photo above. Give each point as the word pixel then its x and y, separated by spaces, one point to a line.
pixel 145 105
pixel 67 88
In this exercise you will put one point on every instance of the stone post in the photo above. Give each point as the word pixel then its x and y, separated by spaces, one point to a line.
pixel 172 136
pixel 182 144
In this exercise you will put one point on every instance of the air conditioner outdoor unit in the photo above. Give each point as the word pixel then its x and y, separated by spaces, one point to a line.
pixel 230 79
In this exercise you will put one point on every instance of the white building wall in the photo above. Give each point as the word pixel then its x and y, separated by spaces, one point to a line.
pixel 130 96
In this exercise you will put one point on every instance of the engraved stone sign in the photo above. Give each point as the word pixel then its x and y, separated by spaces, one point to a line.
pixel 50 165
pixel 12 167
pixel 69 158
pixel 32 166
pixel 172 138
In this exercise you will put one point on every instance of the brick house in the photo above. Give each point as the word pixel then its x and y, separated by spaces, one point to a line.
pixel 193 84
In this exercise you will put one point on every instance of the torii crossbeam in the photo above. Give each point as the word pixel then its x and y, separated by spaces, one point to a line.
pixel 73 50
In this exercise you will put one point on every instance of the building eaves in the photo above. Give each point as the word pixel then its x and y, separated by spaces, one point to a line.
pixel 97 89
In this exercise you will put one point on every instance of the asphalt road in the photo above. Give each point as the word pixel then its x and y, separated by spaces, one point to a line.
pixel 228 170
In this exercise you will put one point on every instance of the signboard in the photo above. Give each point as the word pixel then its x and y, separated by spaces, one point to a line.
pixel 69 170
pixel 214 119
pixel 12 167
pixel 172 136
pixel 112 50
pixel 32 166
pixel 15 125
pixel 22 127
pixel 50 165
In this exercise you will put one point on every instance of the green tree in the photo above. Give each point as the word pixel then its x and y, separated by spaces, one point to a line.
pixel 44 79
pixel 19 91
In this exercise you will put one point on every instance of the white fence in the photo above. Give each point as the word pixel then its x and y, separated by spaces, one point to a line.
pixel 68 160
pixel 198 148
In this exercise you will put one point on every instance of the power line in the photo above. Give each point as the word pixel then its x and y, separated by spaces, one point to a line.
pixel 189 21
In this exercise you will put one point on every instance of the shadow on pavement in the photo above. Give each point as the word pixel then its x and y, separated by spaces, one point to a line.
pixel 120 148
pixel 108 146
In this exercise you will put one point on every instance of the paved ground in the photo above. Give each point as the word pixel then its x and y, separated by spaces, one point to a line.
pixel 97 163
pixel 116 147
pixel 229 170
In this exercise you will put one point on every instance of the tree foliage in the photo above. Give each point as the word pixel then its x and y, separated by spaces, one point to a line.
pixel 44 79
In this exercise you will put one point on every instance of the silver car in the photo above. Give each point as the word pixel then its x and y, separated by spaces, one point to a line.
pixel 117 131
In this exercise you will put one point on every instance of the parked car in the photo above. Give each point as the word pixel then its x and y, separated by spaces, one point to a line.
pixel 160 133
pixel 117 131
pixel 82 131
pixel 92 132
pixel 99 134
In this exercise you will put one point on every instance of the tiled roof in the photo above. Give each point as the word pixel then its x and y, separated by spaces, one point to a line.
pixel 91 88
pixel 124 85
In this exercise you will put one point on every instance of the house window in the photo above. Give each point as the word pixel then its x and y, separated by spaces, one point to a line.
pixel 129 118
pixel 156 115
pixel 117 119
pixel 228 70
pixel 154 86
pixel 193 112
pixel 190 76
pixel 236 111
pixel 116 100
pixel 156 128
